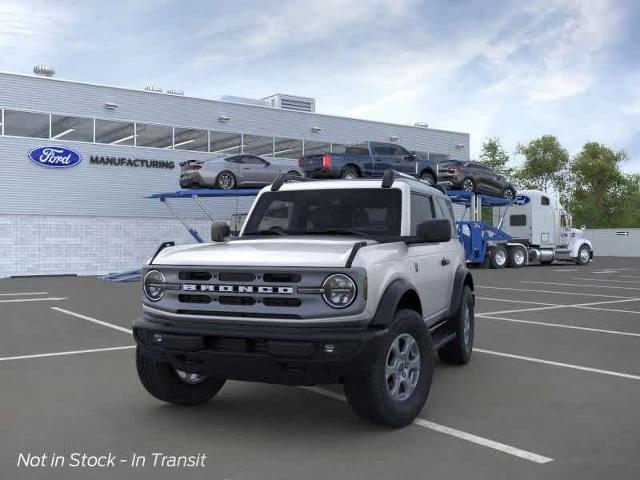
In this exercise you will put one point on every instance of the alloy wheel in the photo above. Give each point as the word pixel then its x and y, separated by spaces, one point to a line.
pixel 467 185
pixel 402 367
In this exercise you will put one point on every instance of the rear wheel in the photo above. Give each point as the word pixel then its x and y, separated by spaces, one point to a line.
pixel 394 387
pixel 498 257
pixel 349 173
pixel 517 257
pixel 458 351
pixel 508 194
pixel 166 383
pixel 584 255
pixel 226 180
pixel 428 177
pixel 468 185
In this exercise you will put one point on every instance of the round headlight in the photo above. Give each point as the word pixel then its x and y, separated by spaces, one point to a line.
pixel 339 290
pixel 153 285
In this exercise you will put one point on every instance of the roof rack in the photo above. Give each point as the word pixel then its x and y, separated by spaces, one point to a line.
pixel 390 176
pixel 286 177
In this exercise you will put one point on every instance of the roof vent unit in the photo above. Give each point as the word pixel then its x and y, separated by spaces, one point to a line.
pixel 292 102
pixel 153 88
pixel 175 91
pixel 245 100
pixel 44 71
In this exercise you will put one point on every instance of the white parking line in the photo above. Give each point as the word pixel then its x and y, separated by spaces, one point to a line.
pixel 60 354
pixel 605 280
pixel 469 437
pixel 582 294
pixel 558 364
pixel 515 301
pixel 574 305
pixel 560 325
pixel 22 300
pixel 93 320
pixel 565 270
pixel 581 285
pixel 7 294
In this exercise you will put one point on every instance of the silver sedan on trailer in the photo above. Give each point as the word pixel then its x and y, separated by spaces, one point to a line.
pixel 228 172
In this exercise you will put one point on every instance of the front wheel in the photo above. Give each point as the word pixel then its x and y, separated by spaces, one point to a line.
pixel 584 255
pixel 166 383
pixel 392 389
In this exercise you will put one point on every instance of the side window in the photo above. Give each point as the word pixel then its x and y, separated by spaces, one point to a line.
pixel 518 220
pixel 381 150
pixel 563 220
pixel 445 210
pixel 251 160
pixel 234 159
pixel 544 201
pixel 421 210
pixel 398 151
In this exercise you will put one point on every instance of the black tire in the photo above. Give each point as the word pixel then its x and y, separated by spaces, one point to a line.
pixel 509 194
pixel 517 257
pixel 468 185
pixel 498 257
pixel 583 258
pixel 368 392
pixel 458 351
pixel 221 180
pixel 161 380
pixel 349 173
pixel 428 177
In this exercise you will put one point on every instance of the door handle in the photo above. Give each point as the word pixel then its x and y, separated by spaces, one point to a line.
pixel 247 168
pixel 445 261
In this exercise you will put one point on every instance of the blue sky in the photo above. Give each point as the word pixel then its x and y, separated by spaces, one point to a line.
pixel 511 69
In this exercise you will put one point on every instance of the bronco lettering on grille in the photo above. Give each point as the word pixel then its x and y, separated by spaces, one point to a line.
pixel 192 287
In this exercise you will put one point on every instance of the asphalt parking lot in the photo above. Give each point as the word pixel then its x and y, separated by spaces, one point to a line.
pixel 553 391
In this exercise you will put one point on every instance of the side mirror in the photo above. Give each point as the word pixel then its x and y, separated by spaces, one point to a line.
pixel 411 157
pixel 583 227
pixel 434 231
pixel 220 231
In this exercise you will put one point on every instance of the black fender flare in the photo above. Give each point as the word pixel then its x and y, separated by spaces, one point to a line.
pixel 462 277
pixel 389 302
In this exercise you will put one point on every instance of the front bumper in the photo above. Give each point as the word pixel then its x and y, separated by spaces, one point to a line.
pixel 289 355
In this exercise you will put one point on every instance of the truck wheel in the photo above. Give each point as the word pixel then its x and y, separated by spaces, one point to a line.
pixel 393 387
pixel 517 257
pixel 508 194
pixel 459 350
pixel 166 383
pixel 468 185
pixel 428 177
pixel 498 256
pixel 349 173
pixel 584 255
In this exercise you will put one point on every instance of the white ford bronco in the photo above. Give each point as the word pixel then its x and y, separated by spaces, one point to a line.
pixel 356 282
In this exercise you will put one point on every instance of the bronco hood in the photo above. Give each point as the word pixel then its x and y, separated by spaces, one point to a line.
pixel 262 252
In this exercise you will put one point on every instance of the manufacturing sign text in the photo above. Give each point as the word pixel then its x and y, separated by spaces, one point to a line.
pixel 131 162
pixel 55 157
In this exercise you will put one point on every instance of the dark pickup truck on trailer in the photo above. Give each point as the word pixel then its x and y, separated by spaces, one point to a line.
pixel 369 159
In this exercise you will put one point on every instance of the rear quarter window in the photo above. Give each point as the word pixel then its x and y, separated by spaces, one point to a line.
pixel 518 220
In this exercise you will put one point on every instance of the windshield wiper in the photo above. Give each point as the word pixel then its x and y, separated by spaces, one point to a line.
pixel 338 231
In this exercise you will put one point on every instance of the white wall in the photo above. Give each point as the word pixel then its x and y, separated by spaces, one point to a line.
pixel 612 242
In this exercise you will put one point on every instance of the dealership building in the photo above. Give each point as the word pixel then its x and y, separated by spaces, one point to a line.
pixel 89 214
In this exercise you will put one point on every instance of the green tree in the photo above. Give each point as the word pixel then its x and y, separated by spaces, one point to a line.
pixel 493 155
pixel 601 194
pixel 545 164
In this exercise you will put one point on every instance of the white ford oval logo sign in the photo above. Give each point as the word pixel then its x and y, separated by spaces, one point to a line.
pixel 55 157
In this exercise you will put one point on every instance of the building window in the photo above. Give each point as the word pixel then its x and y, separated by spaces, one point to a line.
pixel 190 139
pixel 71 128
pixel 26 124
pixel 157 136
pixel 338 148
pixel 114 133
pixel 287 148
pixel 225 143
pixel 312 147
pixel 257 145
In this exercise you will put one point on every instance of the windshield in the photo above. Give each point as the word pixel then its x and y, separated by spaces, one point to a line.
pixel 362 212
